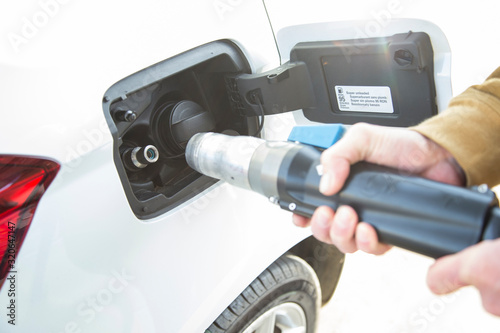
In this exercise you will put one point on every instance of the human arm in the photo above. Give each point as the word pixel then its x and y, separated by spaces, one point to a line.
pixel 466 134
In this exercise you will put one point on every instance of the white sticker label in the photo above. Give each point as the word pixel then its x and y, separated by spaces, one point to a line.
pixel 364 99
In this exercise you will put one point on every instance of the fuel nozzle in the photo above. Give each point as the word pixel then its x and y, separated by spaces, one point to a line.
pixel 414 213
pixel 222 157
pixel 243 161
pixel 140 157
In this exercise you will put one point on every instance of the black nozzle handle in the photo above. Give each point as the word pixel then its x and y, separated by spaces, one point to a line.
pixel 414 213
pixel 492 229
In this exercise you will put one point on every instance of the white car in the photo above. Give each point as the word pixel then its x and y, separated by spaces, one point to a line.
pixel 98 100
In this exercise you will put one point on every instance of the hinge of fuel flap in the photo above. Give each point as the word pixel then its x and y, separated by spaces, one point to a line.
pixel 387 81
pixel 282 89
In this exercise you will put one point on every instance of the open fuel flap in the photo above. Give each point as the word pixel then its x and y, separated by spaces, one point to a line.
pixel 387 81
pixel 154 112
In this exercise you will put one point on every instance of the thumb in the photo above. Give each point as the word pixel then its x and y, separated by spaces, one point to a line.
pixel 444 275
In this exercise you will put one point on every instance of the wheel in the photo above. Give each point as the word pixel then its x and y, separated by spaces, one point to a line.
pixel 285 298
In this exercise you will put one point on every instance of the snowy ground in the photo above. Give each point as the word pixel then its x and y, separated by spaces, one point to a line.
pixel 388 294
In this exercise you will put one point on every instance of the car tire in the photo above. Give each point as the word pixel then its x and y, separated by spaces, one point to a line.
pixel 286 297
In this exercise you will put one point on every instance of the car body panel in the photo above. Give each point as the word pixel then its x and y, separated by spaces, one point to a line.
pixel 87 263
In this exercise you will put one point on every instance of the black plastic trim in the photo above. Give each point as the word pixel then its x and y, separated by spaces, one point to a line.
pixel 402 62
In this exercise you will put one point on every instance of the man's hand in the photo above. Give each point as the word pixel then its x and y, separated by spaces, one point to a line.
pixel 478 265
pixel 399 148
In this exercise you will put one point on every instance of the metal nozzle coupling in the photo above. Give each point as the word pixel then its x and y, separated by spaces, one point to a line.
pixel 244 161
pixel 222 157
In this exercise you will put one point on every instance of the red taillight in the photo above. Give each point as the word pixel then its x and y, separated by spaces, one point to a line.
pixel 23 180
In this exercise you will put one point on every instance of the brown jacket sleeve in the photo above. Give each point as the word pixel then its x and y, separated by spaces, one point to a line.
pixel 470 130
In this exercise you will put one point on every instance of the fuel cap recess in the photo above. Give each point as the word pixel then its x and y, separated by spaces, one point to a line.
pixel 176 122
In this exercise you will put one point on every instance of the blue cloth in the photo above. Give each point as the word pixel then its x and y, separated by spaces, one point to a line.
pixel 321 136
